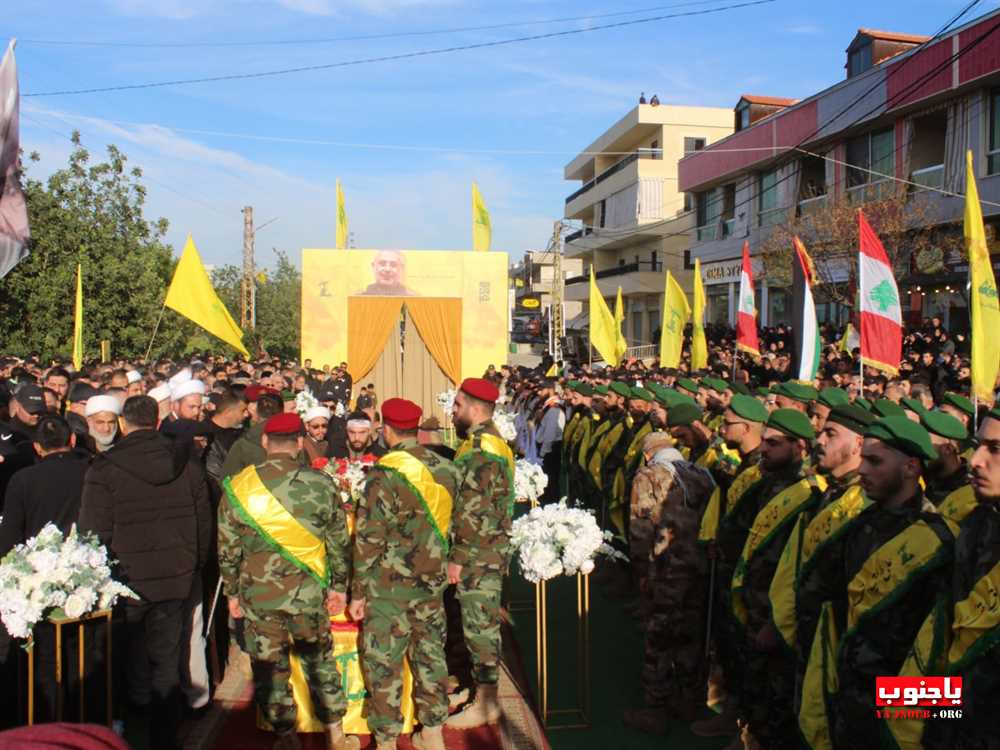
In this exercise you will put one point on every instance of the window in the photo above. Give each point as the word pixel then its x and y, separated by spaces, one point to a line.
pixel 655 152
pixel 636 328
pixel 652 260
pixel 603 206
pixel 859 60
pixel 688 202
pixel 653 316
pixel 767 198
pixel 709 207
pixel 993 155
pixel 869 154
pixel 692 144
pixel 743 116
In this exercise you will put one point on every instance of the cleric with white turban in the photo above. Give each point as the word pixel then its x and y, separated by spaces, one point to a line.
pixel 102 413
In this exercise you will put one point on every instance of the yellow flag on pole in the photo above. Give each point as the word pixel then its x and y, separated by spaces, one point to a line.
pixel 983 293
pixel 676 312
pixel 621 344
pixel 699 347
pixel 78 321
pixel 191 294
pixel 482 229
pixel 341 218
pixel 602 325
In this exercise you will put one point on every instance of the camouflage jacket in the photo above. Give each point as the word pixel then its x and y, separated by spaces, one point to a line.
pixel 684 490
pixel 254 570
pixel 482 516
pixel 397 551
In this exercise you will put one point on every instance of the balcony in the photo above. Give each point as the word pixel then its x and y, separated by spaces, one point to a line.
pixel 621 270
pixel 871 191
pixel 707 233
pixel 928 177
pixel 642 153
pixel 771 216
pixel 810 206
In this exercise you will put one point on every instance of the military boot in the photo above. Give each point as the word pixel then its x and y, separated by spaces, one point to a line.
pixel 337 740
pixel 429 738
pixel 485 709
pixel 287 741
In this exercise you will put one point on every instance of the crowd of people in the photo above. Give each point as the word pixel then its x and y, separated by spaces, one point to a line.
pixel 787 542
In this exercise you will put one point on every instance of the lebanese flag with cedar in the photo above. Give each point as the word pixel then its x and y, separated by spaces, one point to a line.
pixel 746 311
pixel 881 314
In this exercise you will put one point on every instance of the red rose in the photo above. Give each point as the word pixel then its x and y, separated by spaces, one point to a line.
pixel 320 463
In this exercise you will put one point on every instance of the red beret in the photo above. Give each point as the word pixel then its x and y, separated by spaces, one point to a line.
pixel 401 414
pixel 254 392
pixel 288 423
pixel 481 388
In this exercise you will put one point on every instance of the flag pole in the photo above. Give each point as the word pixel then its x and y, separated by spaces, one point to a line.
pixel 155 329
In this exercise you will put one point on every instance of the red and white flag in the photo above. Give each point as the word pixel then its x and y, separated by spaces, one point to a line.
pixel 746 311
pixel 881 314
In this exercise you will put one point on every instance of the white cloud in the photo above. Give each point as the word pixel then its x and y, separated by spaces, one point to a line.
pixel 310 7
pixel 178 10
pixel 804 28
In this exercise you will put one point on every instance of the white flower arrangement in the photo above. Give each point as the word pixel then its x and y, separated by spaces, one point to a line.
pixel 339 410
pixel 504 422
pixel 554 540
pixel 530 481
pixel 446 400
pixel 50 572
pixel 304 401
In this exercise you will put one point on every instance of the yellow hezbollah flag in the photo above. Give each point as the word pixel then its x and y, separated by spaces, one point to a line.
pixel 621 345
pixel 78 321
pixel 191 294
pixel 985 312
pixel 602 325
pixel 482 229
pixel 341 218
pixel 699 348
pixel 675 314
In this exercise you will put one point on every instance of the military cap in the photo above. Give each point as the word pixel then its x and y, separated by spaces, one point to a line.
pixel 255 391
pixel 904 435
pixel 863 403
pixel 288 395
pixel 748 407
pixel 601 390
pixel 833 397
pixel 994 413
pixel 572 385
pixel 641 394
pixel 763 391
pixel 797 391
pixel 738 388
pixel 851 416
pixel 481 389
pixel 655 388
pixel 792 422
pixel 585 389
pixel 622 389
pixel 687 384
pixel 913 404
pixel 716 384
pixel 886 408
pixel 401 414
pixel 683 414
pixel 288 423
pixel 959 402
pixel 944 425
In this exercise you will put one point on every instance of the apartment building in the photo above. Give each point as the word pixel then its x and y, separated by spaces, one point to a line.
pixel 898 124
pixel 634 219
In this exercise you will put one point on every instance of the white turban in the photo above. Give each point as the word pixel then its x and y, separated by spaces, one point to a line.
pixel 315 413
pixel 133 376
pixel 187 388
pixel 97 404
pixel 182 377
pixel 160 393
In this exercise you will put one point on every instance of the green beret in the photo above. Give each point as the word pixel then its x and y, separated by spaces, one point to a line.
pixel 913 404
pixel 793 423
pixel 833 397
pixel 886 408
pixel 622 389
pixel 687 384
pixel 716 384
pixel 585 389
pixel 904 435
pixel 572 384
pixel 287 395
pixel 851 416
pixel 683 414
pixel 642 394
pixel 797 391
pixel 749 408
pixel 763 392
pixel 863 403
pixel 601 390
pixel 739 388
pixel 959 402
pixel 944 425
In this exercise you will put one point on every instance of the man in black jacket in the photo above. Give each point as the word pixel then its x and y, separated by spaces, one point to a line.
pixel 153 514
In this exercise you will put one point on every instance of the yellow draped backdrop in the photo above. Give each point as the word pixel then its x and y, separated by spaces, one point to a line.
pixel 423 378
pixel 369 325
pixel 439 322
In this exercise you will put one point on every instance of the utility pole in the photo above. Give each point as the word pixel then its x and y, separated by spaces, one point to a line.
pixel 556 321
pixel 248 313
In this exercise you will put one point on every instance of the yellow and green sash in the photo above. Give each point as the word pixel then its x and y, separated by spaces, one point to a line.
pixel 495 448
pixel 772 518
pixel 976 622
pixel 634 452
pixel 253 502
pixel 435 498
pixel 713 512
pixel 607 441
pixel 570 431
pixel 594 433
pixel 958 504
pixel 820 682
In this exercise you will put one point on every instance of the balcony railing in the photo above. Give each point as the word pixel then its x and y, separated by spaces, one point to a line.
pixel 812 205
pixel 929 177
pixel 642 265
pixel 771 216
pixel 728 225
pixel 578 234
pixel 871 191
pixel 642 153
pixel 707 232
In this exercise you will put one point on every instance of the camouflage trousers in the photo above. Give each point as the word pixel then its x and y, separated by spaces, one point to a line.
pixel 414 628
pixel 479 597
pixel 673 670
pixel 271 637
pixel 769 699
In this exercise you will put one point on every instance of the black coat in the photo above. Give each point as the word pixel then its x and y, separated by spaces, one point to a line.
pixel 17 452
pixel 152 511
pixel 48 491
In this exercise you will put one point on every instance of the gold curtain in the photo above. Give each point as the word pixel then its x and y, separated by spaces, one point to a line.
pixel 423 379
pixel 439 323
pixel 369 325
pixel 387 374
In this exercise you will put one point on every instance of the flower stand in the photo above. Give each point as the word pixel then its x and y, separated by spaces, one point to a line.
pixel 577 717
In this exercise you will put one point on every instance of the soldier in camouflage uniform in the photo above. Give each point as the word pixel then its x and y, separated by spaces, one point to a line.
pixel 672 673
pixel 400 574
pixel 480 552
pixel 644 515
pixel 285 604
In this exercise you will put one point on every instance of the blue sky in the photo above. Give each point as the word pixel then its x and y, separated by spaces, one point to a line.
pixel 406 138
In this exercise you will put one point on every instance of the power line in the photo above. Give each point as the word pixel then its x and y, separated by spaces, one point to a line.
pixel 360 37
pixel 400 56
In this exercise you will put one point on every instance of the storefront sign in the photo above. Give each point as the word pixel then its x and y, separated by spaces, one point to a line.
pixel 726 271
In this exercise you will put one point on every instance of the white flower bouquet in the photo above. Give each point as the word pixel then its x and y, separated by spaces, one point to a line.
pixel 554 540
pixel 504 421
pixel 446 400
pixel 49 573
pixel 530 481
pixel 304 401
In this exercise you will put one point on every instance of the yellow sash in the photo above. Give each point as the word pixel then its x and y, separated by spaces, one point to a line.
pixel 976 623
pixel 262 511
pixel 633 454
pixel 604 446
pixel 820 683
pixel 589 437
pixel 435 498
pixel 958 504
pixel 570 431
pixel 497 448
pixel 769 521
pixel 713 513
pixel 832 521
